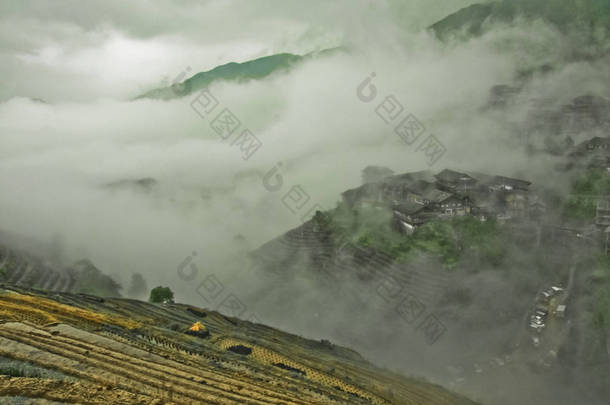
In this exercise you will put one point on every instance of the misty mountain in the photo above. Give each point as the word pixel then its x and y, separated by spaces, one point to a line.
pixel 548 128
pixel 250 70
pixel 589 17
pixel 24 269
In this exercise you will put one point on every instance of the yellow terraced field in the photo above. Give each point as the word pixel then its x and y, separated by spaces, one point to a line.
pixel 130 352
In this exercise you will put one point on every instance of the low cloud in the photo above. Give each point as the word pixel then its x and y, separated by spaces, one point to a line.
pixel 58 158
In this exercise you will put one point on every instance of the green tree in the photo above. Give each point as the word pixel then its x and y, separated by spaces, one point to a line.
pixel 161 295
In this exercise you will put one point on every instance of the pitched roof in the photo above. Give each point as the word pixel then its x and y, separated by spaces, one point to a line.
pixel 512 181
pixel 453 176
pixel 409 208
pixel 436 195
pixel 421 186
pixel 496 180
pixel 423 175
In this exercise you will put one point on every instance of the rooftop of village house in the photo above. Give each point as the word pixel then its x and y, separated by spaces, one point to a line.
pixel 434 187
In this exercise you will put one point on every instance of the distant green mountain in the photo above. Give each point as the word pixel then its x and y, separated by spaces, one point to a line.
pixel 468 20
pixel 249 70
pixel 591 17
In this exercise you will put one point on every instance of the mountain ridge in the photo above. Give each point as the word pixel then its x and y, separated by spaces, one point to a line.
pixel 591 17
pixel 253 69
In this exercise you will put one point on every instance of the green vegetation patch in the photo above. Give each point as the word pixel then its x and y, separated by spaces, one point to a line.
pixel 446 239
pixel 601 315
pixel 586 190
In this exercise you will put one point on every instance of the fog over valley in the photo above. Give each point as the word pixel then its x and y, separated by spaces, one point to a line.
pixel 123 152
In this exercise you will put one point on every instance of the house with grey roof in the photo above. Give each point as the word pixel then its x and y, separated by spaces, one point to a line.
pixel 453 181
pixel 416 198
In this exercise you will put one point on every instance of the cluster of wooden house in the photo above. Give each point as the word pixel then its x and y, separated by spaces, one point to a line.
pixel 416 198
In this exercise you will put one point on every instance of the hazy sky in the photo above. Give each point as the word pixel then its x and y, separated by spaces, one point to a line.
pixel 73 50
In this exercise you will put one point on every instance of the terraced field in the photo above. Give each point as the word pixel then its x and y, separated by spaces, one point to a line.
pixel 25 270
pixel 132 352
pixel 307 247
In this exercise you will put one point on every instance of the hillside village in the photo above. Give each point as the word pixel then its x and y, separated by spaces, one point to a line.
pixel 417 198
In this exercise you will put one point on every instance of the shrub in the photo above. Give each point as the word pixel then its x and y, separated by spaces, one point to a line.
pixel 137 286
